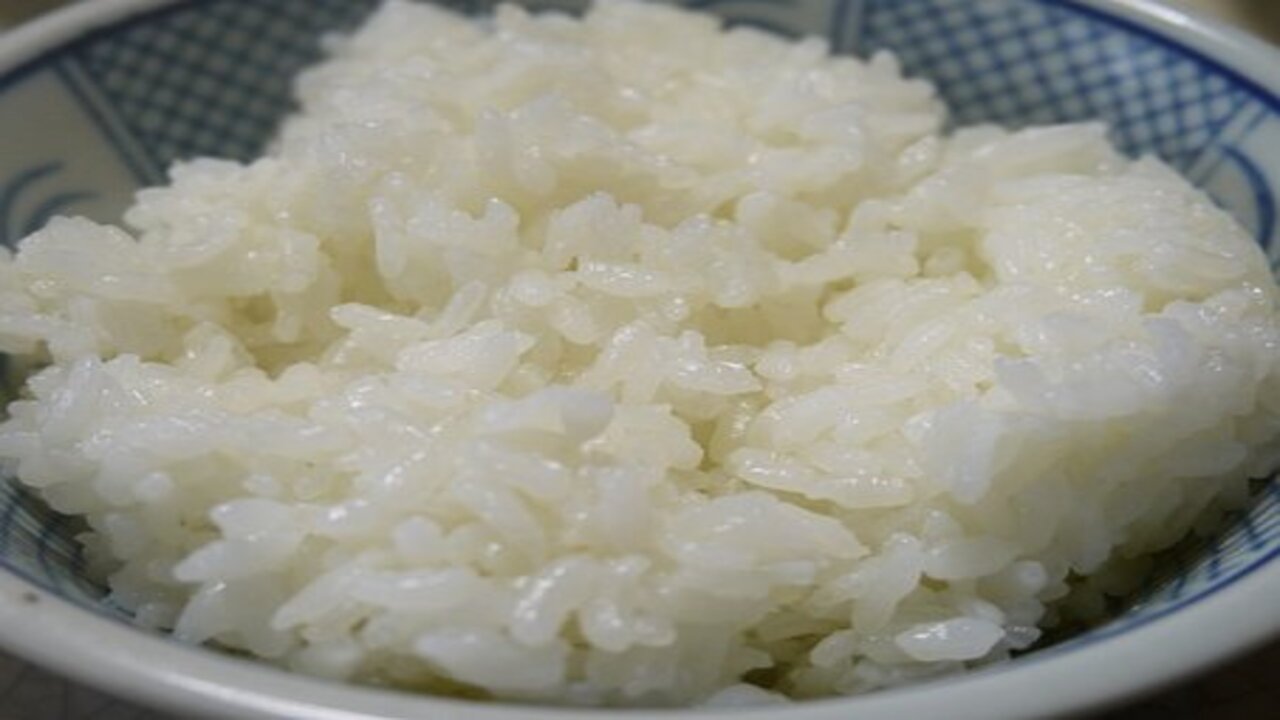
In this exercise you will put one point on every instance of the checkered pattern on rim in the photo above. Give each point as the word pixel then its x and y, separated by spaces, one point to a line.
pixel 215 80
pixel 1022 63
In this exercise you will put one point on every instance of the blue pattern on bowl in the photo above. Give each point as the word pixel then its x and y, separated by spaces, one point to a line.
pixel 213 78
pixel 16 222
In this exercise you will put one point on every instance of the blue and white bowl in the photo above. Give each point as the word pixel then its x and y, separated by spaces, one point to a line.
pixel 97 100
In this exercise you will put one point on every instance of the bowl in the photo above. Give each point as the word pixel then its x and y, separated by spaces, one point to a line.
pixel 97 100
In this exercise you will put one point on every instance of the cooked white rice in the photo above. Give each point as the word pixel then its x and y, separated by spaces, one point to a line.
pixel 628 360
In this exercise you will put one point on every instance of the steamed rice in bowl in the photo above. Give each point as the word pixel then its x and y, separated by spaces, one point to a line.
pixel 627 360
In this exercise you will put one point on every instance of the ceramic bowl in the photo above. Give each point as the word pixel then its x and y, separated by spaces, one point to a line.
pixel 99 99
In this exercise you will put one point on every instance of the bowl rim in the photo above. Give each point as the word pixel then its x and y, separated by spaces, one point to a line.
pixel 150 669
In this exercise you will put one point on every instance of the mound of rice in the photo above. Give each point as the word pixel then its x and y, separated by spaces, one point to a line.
pixel 628 360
